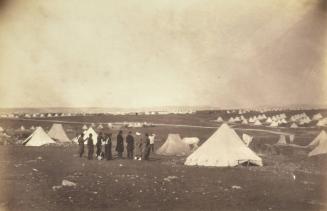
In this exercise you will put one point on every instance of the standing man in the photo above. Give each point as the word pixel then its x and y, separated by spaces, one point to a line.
pixel 90 147
pixel 139 147
pixel 99 144
pixel 81 145
pixel 146 152
pixel 130 145
pixel 120 144
pixel 107 147
pixel 152 137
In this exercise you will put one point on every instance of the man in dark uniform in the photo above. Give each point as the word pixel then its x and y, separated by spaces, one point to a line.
pixel 147 149
pixel 130 145
pixel 81 145
pixel 120 144
pixel 107 146
pixel 99 144
pixel 90 147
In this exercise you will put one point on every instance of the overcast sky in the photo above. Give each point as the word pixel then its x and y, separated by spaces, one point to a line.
pixel 132 53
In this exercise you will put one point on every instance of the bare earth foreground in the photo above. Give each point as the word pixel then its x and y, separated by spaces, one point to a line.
pixel 29 176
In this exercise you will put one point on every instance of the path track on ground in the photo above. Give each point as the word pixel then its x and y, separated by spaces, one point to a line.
pixel 160 124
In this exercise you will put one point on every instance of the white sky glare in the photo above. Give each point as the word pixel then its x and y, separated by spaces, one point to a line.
pixel 108 53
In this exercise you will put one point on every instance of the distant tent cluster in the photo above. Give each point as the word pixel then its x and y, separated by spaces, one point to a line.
pixel 300 119
pixel 36 115
pixel 276 120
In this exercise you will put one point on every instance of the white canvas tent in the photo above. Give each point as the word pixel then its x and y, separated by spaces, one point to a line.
pixel 38 138
pixel 237 119
pixel 321 136
pixel 322 122
pixel 84 127
pixel 294 125
pixel 100 127
pixel 86 135
pixel 58 133
pixel 220 119
pixel 22 128
pixel 274 124
pixel 224 148
pixel 321 148
pixel 317 116
pixel 269 120
pixel 283 121
pixel 247 139
pixel 1 129
pixel 282 140
pixel 245 122
pixel 192 141
pixel 174 146
pixel 257 122
pixel 231 120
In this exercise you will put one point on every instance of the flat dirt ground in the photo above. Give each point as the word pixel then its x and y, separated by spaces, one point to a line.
pixel 31 178
pixel 29 174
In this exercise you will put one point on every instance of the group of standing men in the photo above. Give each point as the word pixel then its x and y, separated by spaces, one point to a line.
pixel 143 146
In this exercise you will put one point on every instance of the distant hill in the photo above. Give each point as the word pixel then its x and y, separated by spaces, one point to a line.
pixel 103 110
pixel 145 109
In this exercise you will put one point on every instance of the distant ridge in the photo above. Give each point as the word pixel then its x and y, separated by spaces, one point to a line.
pixel 147 109
pixel 103 109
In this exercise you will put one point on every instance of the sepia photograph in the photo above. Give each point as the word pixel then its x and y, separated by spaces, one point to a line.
pixel 186 105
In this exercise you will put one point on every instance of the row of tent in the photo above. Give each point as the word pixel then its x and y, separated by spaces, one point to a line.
pixel 223 148
pixel 43 115
pixel 85 127
pixel 39 137
pixel 226 148
pixel 276 120
pixel 21 128
pixel 56 134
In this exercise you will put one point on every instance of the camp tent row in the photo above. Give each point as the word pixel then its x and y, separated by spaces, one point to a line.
pixel 109 125
pixel 223 148
pixel 39 137
pixel 318 146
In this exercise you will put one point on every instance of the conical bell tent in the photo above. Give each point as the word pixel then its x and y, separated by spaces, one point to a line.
pixel 86 135
pixel 320 149
pixel 174 146
pixel 321 136
pixel 224 148
pixel 58 133
pixel 38 138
